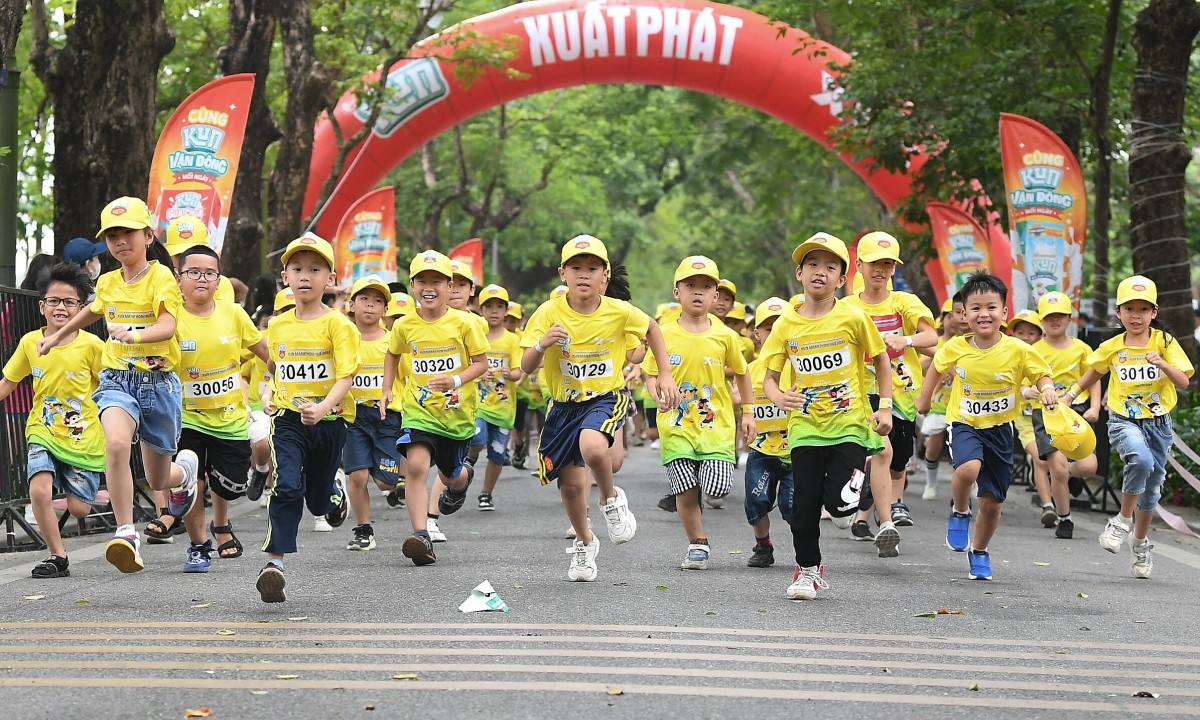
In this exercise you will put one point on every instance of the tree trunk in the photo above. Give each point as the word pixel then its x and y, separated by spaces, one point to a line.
pixel 102 85
pixel 251 31
pixel 1102 180
pixel 1163 36
pixel 12 13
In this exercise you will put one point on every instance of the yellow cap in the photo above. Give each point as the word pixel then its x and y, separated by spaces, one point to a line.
pixel 772 307
pixel 879 245
pixel 1054 302
pixel 1069 432
pixel 1027 316
pixel 430 260
pixel 736 312
pixel 948 306
pixel 285 298
pixel 492 292
pixel 1138 287
pixel 400 304
pixel 184 233
pixel 821 241
pixel 462 269
pixel 723 284
pixel 559 291
pixel 515 310
pixel 371 281
pixel 584 245
pixel 125 212
pixel 311 242
pixel 797 299
pixel 697 265
pixel 668 310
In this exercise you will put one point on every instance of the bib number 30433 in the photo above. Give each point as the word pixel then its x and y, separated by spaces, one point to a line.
pixel 586 370
pixel 990 406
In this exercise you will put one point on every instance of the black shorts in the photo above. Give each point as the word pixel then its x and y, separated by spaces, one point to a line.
pixel 651 410
pixel 225 463
pixel 901 437
pixel 1045 446
pixel 448 454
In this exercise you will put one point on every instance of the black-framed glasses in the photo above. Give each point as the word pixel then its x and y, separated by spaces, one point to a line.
pixel 194 274
pixel 65 302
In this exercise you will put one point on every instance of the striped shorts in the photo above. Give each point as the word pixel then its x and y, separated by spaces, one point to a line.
pixel 713 477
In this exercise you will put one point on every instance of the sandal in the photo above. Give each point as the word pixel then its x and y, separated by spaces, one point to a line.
pixel 233 544
pixel 52 567
pixel 159 533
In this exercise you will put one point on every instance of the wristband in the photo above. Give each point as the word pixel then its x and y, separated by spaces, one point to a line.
pixel 137 337
pixel 1075 390
pixel 457 380
pixel 885 403
pixel 747 406
pixel 908 340
pixel 538 346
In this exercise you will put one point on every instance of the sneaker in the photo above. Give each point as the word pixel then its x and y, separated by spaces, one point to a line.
pixel 262 501
pixel 485 502
pixel 806 582
pixel 900 515
pixel 981 565
pixel 958 531
pixel 320 524
pixel 199 558
pixel 270 584
pixel 256 485
pixel 124 552
pixel 622 525
pixel 364 538
pixel 181 499
pixel 763 556
pixel 337 515
pixel 1114 534
pixel 696 558
pixel 668 504
pixel 861 530
pixel 450 500
pixel 518 456
pixel 583 560
pixel 395 496
pixel 30 518
pixel 1065 530
pixel 929 493
pixel 716 503
pixel 843 522
pixel 435 533
pixel 1143 564
pixel 570 534
pixel 419 549
pixel 1049 516
pixel 887 540
pixel 654 444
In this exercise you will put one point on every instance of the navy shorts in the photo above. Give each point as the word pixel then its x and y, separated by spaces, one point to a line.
pixel 559 445
pixel 993 447
pixel 447 453
pixel 371 445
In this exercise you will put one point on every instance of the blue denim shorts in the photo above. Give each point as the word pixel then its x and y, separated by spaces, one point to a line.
pixel 153 399
pixel 494 437
pixel 371 445
pixel 79 483
pixel 1144 446
pixel 768 479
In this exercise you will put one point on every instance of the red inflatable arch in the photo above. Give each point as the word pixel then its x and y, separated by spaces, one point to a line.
pixel 692 44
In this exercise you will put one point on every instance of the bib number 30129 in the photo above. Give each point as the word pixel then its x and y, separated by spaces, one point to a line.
pixel 587 370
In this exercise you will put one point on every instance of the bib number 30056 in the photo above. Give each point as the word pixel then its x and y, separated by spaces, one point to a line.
pixel 587 370
pixel 210 388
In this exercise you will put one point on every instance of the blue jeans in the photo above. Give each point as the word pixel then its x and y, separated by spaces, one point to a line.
pixel 153 399
pixel 494 437
pixel 1143 446
pixel 767 478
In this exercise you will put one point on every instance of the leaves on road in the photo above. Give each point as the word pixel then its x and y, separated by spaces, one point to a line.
pixel 614 690
pixel 661 588
pixel 202 605
pixel 226 632
pixel 199 712
pixel 1041 564
pixel 298 618
pixel 1082 595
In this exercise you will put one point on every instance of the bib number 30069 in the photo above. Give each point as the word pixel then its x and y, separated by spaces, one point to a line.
pixel 820 362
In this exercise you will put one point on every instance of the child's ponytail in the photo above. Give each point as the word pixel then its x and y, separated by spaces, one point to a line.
pixel 618 284
pixel 158 251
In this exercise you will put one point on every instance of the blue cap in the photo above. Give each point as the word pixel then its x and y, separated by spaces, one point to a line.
pixel 80 250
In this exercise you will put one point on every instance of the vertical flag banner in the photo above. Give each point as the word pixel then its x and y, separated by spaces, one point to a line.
pixel 365 242
pixel 471 252
pixel 961 244
pixel 1047 211
pixel 196 160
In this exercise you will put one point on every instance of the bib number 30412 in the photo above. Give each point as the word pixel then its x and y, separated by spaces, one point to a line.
pixel 304 371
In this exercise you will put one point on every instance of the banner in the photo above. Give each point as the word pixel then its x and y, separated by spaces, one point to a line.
pixel 960 243
pixel 471 252
pixel 196 160
pixel 1047 211
pixel 365 242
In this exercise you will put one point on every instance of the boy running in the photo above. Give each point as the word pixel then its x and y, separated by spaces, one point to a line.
pixel 934 426
pixel 497 409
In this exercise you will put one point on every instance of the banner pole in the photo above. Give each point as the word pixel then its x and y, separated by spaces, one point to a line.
pixel 10 83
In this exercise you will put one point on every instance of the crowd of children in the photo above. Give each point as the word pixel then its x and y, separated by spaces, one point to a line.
pixel 822 399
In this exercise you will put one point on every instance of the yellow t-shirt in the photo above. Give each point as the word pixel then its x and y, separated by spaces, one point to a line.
pixel 898 315
pixel 746 345
pixel 210 369
pixel 826 356
pixel 254 374
pixel 590 361
pixel 702 426
pixel 1137 389
pixel 497 399
pixel 224 293
pixel 136 307
pixel 440 347
pixel 368 383
pixel 986 382
pixel 770 419
pixel 64 420
pixel 937 405
pixel 310 356
pixel 1066 365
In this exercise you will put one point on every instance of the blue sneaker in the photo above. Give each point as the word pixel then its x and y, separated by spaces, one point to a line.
pixel 199 558
pixel 981 565
pixel 958 531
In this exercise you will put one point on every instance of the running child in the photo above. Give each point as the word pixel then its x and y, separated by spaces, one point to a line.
pixel 520 440
pixel 497 410
pixel 1026 326
pixel 934 425
pixel 139 395
pixel 1148 369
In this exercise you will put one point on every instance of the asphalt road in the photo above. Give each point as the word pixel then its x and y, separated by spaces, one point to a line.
pixel 1063 630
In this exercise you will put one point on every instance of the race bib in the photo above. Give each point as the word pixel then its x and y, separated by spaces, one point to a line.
pixel 497 363
pixel 976 407
pixel 821 362
pixel 1137 373
pixel 769 411
pixel 304 371
pixel 368 382
pixel 439 365
pixel 586 370
pixel 209 389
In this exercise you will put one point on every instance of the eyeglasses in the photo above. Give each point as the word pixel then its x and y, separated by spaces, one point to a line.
pixel 194 274
pixel 65 302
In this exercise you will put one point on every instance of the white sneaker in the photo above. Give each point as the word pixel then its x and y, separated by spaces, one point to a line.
pixel 1143 564
pixel 1115 532
pixel 435 533
pixel 29 516
pixel 929 493
pixel 716 503
pixel 654 444
pixel 806 582
pixel 696 558
pixel 124 550
pixel 841 523
pixel 320 524
pixel 622 526
pixel 583 560
pixel 262 501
